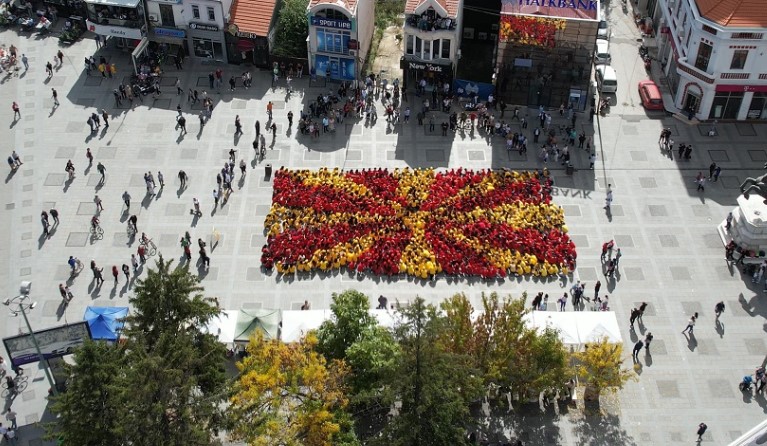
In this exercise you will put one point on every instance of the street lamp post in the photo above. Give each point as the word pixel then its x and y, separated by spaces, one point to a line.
pixel 19 300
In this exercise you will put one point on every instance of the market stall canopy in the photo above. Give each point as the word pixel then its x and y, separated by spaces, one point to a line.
pixel 105 322
pixel 223 326
pixel 385 318
pixel 295 323
pixel 578 327
pixel 248 321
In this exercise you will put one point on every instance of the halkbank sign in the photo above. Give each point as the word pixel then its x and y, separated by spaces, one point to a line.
pixel 587 5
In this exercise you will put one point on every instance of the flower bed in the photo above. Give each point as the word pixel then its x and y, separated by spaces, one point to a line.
pixel 420 222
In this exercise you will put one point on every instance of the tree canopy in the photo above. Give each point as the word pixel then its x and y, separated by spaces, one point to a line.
pixel 292 29
pixel 600 366
pixel 162 384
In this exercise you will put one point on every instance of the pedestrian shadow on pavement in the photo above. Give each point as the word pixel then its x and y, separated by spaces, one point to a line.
pixel 146 201
pixel 180 191
pixel 103 133
pixel 67 184
pixel 692 343
pixel 719 326
pixel 599 430
pixel 41 241
pixel 647 359
pixel 10 175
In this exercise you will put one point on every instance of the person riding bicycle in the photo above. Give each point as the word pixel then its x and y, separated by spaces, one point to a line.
pixel 94 222
pixel 144 239
pixel 64 291
pixel 72 263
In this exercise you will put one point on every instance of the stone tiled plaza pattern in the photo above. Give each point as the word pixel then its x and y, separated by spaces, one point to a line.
pixel 672 256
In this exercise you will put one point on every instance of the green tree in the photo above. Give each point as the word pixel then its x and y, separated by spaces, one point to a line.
pixel 292 29
pixel 288 394
pixel 350 319
pixel 600 366
pixel 86 412
pixel 168 378
pixel 434 386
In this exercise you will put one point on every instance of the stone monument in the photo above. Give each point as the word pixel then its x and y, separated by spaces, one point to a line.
pixel 748 227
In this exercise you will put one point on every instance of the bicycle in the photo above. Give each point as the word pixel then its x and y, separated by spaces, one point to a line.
pixel 97 232
pixel 20 383
pixel 151 248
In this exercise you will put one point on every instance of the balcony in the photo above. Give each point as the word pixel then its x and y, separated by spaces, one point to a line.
pixel 694 72
pixel 430 23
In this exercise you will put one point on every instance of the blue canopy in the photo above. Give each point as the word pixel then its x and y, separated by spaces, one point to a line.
pixel 105 322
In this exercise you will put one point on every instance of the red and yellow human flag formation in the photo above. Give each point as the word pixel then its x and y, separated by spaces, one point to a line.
pixel 416 221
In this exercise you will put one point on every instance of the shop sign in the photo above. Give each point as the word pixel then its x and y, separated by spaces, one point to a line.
pixel 203 27
pixel 424 67
pixel 114 31
pixel 331 23
pixel 742 88
pixel 586 5
pixel 247 35
pixel 170 32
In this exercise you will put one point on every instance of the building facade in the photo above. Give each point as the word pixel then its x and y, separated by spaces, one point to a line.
pixel 432 38
pixel 340 32
pixel 545 52
pixel 251 29
pixel 712 54
pixel 124 21
pixel 195 25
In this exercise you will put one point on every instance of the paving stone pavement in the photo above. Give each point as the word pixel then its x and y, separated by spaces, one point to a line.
pixel 673 258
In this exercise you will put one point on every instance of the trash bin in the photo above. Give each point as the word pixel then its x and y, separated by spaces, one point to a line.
pixel 268 171
pixel 569 169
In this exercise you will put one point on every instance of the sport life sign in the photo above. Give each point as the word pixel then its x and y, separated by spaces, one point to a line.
pixel 331 23
pixel 564 4
pixel 425 67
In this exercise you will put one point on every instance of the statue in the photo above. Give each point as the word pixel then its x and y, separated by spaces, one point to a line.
pixel 756 185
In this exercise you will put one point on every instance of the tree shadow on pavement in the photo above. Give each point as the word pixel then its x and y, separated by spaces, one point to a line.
pixel 526 422
pixel 601 430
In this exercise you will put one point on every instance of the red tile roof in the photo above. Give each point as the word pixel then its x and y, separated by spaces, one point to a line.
pixel 253 16
pixel 348 4
pixel 451 6
pixel 735 13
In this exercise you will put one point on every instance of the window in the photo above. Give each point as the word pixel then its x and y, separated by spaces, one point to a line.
pixel 445 49
pixel 329 41
pixel 418 43
pixel 704 56
pixel 207 48
pixel 332 14
pixel 753 36
pixel 409 47
pixel 195 12
pixel 709 29
pixel 211 14
pixel 739 59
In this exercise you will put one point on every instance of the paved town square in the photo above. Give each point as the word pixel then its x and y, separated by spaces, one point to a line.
pixel 673 257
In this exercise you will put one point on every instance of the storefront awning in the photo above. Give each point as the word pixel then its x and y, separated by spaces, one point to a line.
pixel 120 3
pixel 245 45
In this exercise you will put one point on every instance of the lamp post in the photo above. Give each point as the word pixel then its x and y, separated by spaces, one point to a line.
pixel 23 307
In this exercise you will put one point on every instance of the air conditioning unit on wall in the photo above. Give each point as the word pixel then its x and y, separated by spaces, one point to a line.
pixel 353 53
pixel 153 19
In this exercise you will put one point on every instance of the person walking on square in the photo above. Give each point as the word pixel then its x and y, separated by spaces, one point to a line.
pixel 99 205
pixel 719 309
pixel 237 125
pixel 269 107
pixel 701 430
pixel 597 286
pixel 562 302
pixel 16 159
pixel 608 197
pixel 637 348
pixel 617 257
pixel 258 129
pixel 101 169
pixel 55 215
pixel 16 110
pixel 216 197
pixel 607 250
pixel 25 61
pixel 141 251
pixel 126 271
pixel 647 340
pixel 44 221
pixel 49 69
pixel 126 200
pixel 717 172
pixel 161 179
pixel 115 274
pixel 182 177
pixel 98 274
pixel 89 156
pixel 700 179
pixel 182 124
pixel 690 324
pixel 642 308
pixel 55 96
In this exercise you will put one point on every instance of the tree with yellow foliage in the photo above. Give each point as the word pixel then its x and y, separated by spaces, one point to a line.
pixel 600 366
pixel 289 395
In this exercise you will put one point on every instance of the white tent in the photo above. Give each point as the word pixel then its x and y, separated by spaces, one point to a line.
pixel 578 327
pixel 755 437
pixel 564 322
pixel 295 324
pixel 595 325
pixel 223 326
pixel 385 318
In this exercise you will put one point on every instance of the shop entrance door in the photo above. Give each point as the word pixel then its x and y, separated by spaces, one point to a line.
pixel 691 102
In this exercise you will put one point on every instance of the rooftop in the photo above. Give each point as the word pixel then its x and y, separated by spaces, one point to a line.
pixel 349 5
pixel 253 16
pixel 451 6
pixel 735 13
